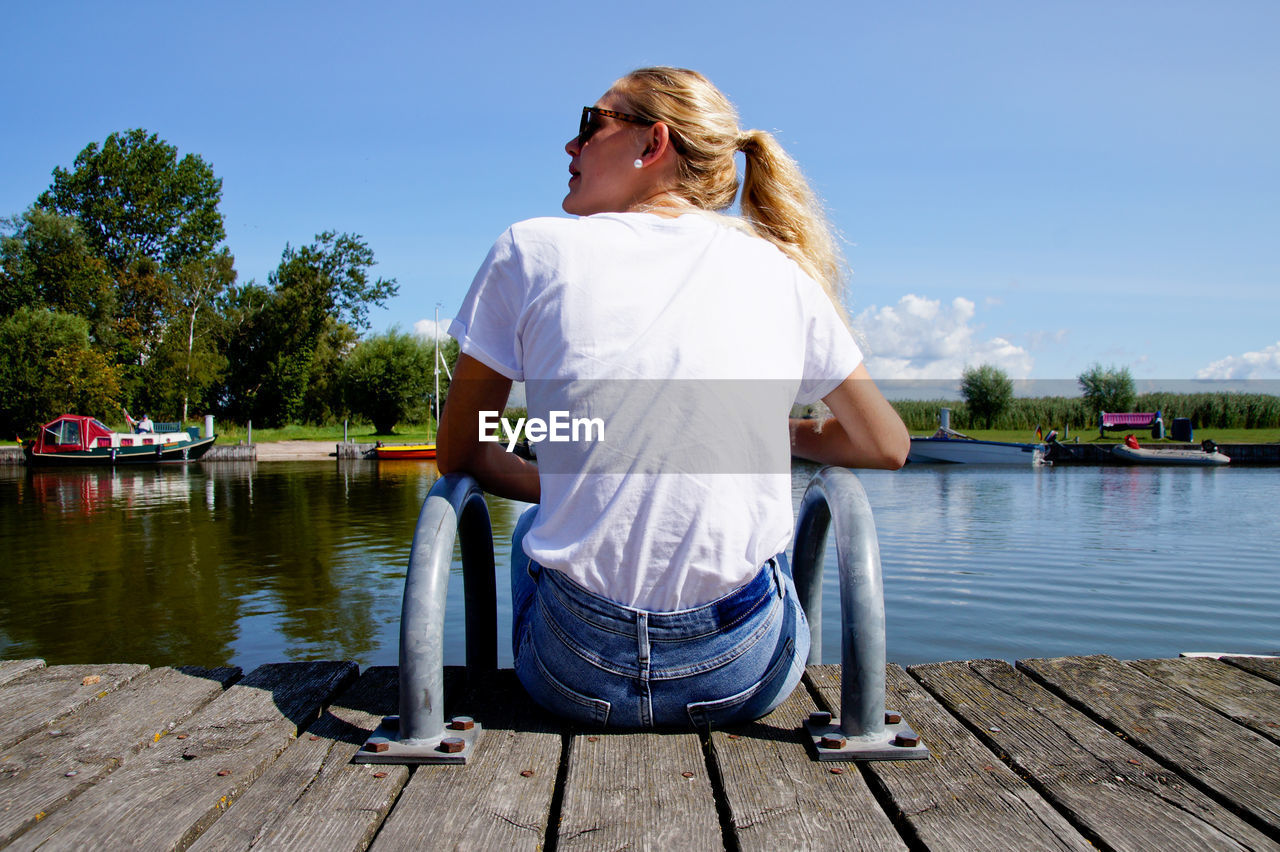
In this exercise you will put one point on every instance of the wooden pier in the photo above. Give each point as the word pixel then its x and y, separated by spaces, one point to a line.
pixel 1071 753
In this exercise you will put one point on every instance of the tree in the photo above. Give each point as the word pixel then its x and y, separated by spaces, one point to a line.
pixel 1109 389
pixel 279 331
pixel 388 378
pixel 987 391
pixel 45 261
pixel 48 369
pixel 136 199
pixel 197 283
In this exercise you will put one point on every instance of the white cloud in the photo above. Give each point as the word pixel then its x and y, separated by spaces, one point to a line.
pixel 428 328
pixel 920 338
pixel 1251 365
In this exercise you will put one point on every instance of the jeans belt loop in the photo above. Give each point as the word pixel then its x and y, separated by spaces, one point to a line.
pixel 777 577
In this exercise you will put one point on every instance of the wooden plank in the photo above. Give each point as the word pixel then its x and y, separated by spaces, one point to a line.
pixel 13 669
pixel 779 797
pixel 171 792
pixel 1265 667
pixel 1121 798
pixel 1242 697
pixel 45 695
pixel 963 797
pixel 502 798
pixel 42 772
pixel 312 796
pixel 638 790
pixel 1230 762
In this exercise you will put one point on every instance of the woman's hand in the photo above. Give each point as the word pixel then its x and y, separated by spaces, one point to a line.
pixel 865 432
pixel 475 388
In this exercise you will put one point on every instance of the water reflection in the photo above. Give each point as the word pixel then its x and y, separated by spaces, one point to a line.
pixel 206 563
pixel 248 563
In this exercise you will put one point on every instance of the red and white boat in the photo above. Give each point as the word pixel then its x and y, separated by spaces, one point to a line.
pixel 74 439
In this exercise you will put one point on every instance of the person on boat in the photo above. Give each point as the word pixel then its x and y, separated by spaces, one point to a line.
pixel 650 586
pixel 145 424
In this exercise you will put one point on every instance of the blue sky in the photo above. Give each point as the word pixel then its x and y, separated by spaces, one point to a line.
pixel 1038 185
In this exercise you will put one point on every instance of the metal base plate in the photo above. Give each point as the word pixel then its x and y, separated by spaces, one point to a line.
pixel 880 747
pixel 421 751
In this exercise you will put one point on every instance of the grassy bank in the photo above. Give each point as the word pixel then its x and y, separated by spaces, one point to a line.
pixel 360 433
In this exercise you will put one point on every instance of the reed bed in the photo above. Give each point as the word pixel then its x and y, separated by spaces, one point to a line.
pixel 1205 410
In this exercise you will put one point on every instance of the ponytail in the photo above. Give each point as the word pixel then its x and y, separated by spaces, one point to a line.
pixel 779 205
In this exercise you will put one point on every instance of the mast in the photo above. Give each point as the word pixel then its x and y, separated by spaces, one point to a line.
pixel 435 387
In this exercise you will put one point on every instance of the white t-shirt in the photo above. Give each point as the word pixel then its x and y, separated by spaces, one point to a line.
pixel 679 346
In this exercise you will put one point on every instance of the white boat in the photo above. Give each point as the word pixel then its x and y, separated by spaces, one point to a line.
pixel 948 447
pixel 1143 455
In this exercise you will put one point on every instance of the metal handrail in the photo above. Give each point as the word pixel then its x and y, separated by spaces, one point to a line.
pixel 865 731
pixel 862 643
pixel 454 509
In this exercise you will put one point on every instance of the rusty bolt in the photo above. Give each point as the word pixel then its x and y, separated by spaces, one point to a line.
pixel 526 773
pixel 820 717
pixel 836 770
pixel 832 741
pixel 181 736
pixel 461 723
pixel 378 747
pixel 592 739
pixel 313 738
pixel 735 736
pixel 451 745
pixel 687 774
pixel 379 775
pixel 892 717
pixel 224 772
pixel 907 739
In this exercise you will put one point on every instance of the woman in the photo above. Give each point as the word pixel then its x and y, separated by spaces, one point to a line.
pixel 650 587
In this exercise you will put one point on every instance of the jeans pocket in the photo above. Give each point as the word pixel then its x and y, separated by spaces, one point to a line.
pixel 754 701
pixel 548 691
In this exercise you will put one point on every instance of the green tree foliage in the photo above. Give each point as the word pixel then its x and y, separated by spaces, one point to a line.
pixel 190 361
pixel 323 401
pixel 388 377
pixel 1109 389
pixel 49 369
pixel 278 331
pixel 45 261
pixel 136 199
pixel 987 390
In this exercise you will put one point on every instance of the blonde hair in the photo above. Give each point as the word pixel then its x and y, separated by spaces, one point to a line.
pixel 777 203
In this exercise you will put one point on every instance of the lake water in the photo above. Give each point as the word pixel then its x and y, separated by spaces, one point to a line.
pixel 253 563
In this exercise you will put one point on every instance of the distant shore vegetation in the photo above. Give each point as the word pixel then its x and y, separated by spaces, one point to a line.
pixel 1204 410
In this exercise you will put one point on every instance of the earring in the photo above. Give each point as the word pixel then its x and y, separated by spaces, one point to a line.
pixel 639 163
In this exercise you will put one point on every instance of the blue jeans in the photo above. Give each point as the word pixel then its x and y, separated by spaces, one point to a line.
pixel 590 659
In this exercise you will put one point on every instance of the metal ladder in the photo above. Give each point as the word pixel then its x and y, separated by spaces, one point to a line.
pixel 455 511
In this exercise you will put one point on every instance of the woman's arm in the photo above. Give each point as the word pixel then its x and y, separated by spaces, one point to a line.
pixel 865 432
pixel 475 388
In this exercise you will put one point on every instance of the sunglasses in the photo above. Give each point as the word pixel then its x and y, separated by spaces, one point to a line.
pixel 590 122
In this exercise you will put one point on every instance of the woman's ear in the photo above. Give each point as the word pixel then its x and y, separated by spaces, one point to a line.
pixel 657 142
